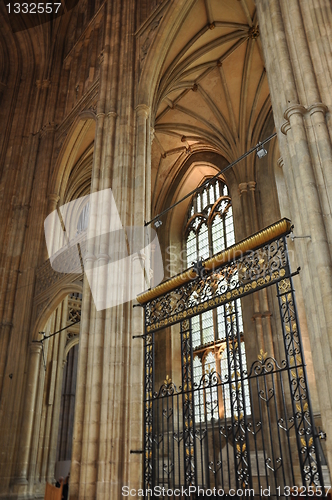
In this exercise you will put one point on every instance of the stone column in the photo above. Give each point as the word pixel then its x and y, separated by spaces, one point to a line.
pixel 29 413
pixel 243 188
pixel 142 211
pixel 305 145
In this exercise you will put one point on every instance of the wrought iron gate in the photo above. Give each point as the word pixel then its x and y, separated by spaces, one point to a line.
pixel 235 428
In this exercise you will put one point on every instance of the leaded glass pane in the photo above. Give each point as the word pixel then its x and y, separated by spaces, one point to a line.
pixel 196 331
pixel 203 242
pixel 207 327
pixel 221 323
pixel 230 238
pixel 198 395
pixel 211 392
pixel 199 205
pixel 205 199
pixel 218 239
pixel 212 196
pixel 191 248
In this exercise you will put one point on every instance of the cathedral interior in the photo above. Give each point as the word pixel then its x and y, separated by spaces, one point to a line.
pixel 208 122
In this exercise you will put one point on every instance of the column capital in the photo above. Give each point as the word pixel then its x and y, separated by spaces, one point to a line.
pixel 35 347
pixel 285 128
pixel 53 198
pixel 112 114
pixel 280 162
pixel 143 110
pixel 294 109
pixel 243 187
pixel 298 109
pixel 318 107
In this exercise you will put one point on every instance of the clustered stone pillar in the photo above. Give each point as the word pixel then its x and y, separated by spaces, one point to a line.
pixel 108 408
pixel 301 101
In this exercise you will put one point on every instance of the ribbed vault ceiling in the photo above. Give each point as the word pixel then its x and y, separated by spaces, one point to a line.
pixel 213 93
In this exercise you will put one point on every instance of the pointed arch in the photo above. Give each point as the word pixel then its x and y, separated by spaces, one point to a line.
pixel 167 30
pixel 79 138
pixel 52 304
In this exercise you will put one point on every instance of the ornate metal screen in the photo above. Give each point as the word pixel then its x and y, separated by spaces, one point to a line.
pixel 239 428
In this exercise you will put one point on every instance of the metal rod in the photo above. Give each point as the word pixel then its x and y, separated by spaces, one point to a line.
pixel 55 333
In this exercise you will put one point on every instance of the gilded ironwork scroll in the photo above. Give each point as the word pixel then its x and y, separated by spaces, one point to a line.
pixel 148 409
pixel 188 403
pixel 249 273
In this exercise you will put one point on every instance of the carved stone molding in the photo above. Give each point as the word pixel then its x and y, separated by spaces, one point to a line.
pixel 147 31
pixel 43 84
pixel 253 32
pixel 143 110
pixel 152 134
pixel 6 323
pixel 149 38
pixel 41 307
pixel 50 127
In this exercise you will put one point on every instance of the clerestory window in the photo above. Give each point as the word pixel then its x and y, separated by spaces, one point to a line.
pixel 209 230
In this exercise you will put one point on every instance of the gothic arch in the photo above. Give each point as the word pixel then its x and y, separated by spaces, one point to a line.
pixel 170 22
pixel 52 304
pixel 78 141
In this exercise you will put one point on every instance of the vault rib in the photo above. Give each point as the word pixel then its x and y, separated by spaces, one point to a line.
pixel 254 106
pixel 246 11
pixel 198 133
pixel 201 52
pixel 169 108
pixel 244 93
pixel 222 58
pixel 162 151
pixel 220 117
pixel 214 63
pixel 173 64
pixel 229 104
pixel 208 11
pixel 257 131
pixel 199 118
pixel 261 119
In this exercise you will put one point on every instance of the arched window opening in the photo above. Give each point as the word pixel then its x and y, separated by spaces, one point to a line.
pixel 83 220
pixel 209 230
pixel 209 225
